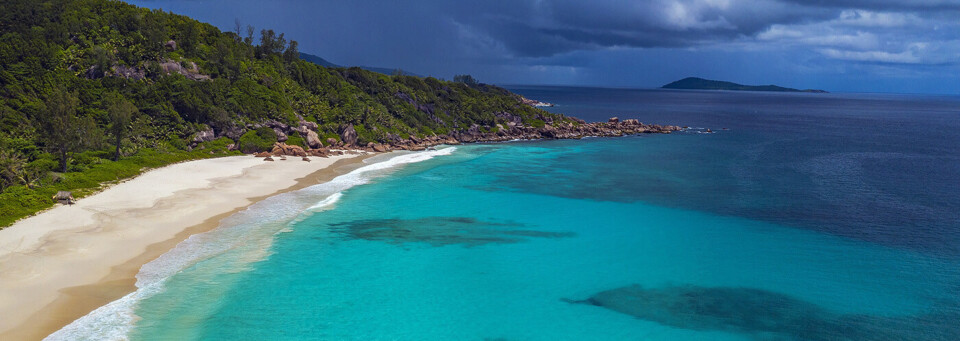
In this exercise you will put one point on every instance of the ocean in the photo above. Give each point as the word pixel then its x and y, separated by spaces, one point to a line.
pixel 797 217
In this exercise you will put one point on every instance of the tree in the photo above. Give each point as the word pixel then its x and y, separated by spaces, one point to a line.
pixel 271 42
pixel 249 39
pixel 465 79
pixel 291 54
pixel 189 37
pixel 12 165
pixel 100 61
pixel 14 169
pixel 155 33
pixel 120 113
pixel 62 131
pixel 237 28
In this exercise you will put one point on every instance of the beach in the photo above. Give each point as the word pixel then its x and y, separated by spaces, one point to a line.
pixel 62 263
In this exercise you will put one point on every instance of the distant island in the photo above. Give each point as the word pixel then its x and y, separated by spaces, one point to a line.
pixel 695 83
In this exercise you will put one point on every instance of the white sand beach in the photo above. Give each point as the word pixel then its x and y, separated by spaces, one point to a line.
pixel 62 263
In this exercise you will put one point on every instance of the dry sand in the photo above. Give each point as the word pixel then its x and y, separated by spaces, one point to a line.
pixel 63 263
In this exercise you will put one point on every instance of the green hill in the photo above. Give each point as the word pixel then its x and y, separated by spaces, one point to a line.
pixel 326 63
pixel 694 83
pixel 317 60
pixel 93 91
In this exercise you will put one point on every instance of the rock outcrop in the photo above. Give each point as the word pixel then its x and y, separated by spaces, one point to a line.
pixel 348 135
pixel 313 140
pixel 281 149
pixel 515 129
pixel 534 103
pixel 191 71
pixel 128 72
pixel 204 136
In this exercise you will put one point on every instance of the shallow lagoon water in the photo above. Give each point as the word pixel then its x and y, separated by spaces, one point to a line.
pixel 769 233
pixel 455 275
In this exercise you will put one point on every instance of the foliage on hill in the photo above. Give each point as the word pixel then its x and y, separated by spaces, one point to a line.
pixel 87 82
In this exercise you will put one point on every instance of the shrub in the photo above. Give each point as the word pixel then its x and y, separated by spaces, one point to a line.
pixel 296 140
pixel 178 143
pixel 259 140
pixel 219 145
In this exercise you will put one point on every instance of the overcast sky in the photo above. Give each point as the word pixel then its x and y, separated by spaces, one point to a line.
pixel 906 46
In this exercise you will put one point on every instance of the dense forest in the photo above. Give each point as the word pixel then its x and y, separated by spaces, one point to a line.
pixel 94 91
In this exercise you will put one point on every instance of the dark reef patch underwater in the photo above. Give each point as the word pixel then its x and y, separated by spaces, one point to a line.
pixel 765 315
pixel 439 231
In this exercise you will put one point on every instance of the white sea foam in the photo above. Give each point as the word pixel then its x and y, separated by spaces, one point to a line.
pixel 252 229
pixel 326 203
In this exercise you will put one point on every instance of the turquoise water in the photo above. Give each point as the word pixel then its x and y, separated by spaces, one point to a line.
pixel 597 239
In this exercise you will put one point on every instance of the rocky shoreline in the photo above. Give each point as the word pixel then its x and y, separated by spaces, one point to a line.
pixel 515 130
pixel 534 103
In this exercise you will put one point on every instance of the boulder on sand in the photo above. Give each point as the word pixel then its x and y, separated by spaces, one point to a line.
pixel 281 148
pixel 348 135
pixel 64 197
pixel 313 140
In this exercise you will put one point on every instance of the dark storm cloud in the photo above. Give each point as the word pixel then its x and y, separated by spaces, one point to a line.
pixel 623 42
pixel 911 32
pixel 884 5
pixel 540 28
pixel 892 31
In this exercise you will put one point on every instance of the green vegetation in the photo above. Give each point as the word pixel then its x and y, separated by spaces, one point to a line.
pixel 119 114
pixel 259 140
pixel 465 79
pixel 296 140
pixel 95 91
pixel 92 170
pixel 694 83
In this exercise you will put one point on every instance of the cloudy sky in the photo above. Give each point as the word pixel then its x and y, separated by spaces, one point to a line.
pixel 905 46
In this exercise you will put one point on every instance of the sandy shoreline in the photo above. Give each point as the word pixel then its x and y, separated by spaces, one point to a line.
pixel 63 263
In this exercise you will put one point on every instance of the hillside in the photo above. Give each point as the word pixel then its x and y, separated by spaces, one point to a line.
pixel 318 60
pixel 326 63
pixel 93 91
pixel 694 83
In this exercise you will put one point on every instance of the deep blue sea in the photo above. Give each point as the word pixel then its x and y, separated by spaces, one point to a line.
pixel 801 217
